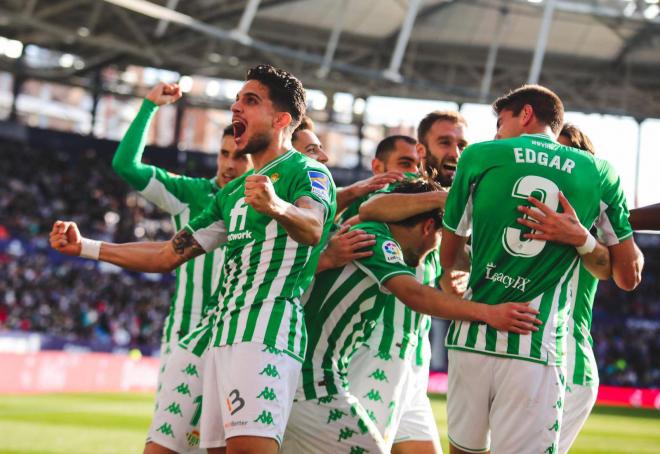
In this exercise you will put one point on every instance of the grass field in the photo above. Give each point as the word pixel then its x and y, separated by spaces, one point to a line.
pixel 117 423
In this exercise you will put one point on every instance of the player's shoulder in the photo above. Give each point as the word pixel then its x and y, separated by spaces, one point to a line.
pixel 301 161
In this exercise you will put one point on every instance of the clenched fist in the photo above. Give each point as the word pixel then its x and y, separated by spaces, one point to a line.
pixel 65 238
pixel 164 93
pixel 260 194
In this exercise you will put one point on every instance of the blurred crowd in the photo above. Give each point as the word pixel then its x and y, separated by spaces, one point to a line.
pixel 41 291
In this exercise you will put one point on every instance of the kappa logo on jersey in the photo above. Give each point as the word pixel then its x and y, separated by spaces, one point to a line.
pixel 392 252
pixel 320 184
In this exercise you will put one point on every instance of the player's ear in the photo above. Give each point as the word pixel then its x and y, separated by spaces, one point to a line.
pixel 282 120
pixel 526 115
pixel 421 150
pixel 377 166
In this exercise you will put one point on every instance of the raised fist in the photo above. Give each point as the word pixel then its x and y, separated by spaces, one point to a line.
pixel 164 93
pixel 65 238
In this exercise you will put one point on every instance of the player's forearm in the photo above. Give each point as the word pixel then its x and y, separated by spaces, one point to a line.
pixel 324 263
pixel 301 224
pixel 598 262
pixel 432 302
pixel 396 207
pixel 127 159
pixel 451 248
pixel 645 218
pixel 345 196
pixel 147 257
pixel 627 264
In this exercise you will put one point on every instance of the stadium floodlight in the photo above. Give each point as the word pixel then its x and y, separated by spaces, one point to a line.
pixel 212 88
pixel 10 47
pixel 186 84
pixel 66 60
pixel 652 11
pixel 83 32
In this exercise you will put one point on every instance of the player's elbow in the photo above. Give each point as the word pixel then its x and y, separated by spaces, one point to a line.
pixel 629 279
pixel 313 238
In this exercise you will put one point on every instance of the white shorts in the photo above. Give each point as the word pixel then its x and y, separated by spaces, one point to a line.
pixel 379 383
pixel 578 402
pixel 417 422
pixel 334 424
pixel 175 424
pixel 248 390
pixel 503 404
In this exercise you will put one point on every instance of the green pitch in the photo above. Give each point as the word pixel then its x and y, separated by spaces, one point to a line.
pixel 117 423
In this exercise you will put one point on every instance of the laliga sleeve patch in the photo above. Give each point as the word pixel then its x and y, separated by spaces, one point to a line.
pixel 320 184
pixel 392 252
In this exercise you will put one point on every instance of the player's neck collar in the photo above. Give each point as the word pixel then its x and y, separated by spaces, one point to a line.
pixel 275 161
pixel 542 135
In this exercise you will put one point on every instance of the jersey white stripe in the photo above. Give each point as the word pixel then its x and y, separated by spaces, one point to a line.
pixel 237 290
pixel 604 227
pixel 464 227
pixel 157 193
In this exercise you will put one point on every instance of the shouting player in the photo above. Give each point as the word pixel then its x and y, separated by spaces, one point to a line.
pixel 245 356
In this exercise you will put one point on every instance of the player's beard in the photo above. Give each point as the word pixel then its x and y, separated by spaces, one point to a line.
pixel 258 143
pixel 434 168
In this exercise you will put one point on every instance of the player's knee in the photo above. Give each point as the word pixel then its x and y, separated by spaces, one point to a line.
pixel 155 448
pixel 251 445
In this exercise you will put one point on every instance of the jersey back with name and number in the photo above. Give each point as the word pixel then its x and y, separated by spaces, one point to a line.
pixel 265 270
pixel 492 180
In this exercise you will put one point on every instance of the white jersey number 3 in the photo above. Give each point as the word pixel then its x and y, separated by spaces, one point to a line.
pixel 524 187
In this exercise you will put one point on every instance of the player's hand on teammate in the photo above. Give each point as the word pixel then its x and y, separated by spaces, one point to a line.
pixel 260 194
pixel 549 225
pixel 454 282
pixel 164 93
pixel 345 246
pixel 517 318
pixel 65 238
pixel 376 182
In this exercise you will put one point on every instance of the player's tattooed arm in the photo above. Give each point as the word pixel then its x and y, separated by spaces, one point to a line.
pixel 185 245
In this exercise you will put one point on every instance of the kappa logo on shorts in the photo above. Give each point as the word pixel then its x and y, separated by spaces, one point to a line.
pixel 372 415
pixel 384 356
pixel 236 399
pixel 320 184
pixel 374 395
pixel 183 389
pixel 555 426
pixel 265 418
pixel 335 415
pixel 191 370
pixel 272 351
pixel 552 449
pixel 325 400
pixel 346 433
pixel 379 375
pixel 270 371
pixel 392 252
pixel 166 429
pixel 358 450
pixel 174 409
pixel 267 394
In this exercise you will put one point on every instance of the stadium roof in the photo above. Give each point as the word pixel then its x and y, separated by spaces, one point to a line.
pixel 599 55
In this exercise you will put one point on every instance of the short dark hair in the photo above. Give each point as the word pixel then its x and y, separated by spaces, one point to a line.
pixel 386 146
pixel 418 186
pixel 547 106
pixel 306 124
pixel 286 92
pixel 577 138
pixel 228 131
pixel 428 121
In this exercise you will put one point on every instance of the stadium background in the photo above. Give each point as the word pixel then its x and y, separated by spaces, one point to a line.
pixel 72 74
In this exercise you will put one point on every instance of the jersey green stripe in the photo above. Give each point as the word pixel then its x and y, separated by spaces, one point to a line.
pixel 537 337
pixel 562 310
pixel 255 258
pixel 388 302
pixel 233 280
pixel 513 343
pixel 351 342
pixel 188 300
pixel 491 338
pixel 292 329
pixel 473 333
pixel 207 282
pixel 405 343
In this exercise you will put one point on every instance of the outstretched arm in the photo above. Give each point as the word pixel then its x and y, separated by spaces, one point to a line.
pixel 396 207
pixel 565 228
pixel 127 161
pixel 147 257
pixel 515 317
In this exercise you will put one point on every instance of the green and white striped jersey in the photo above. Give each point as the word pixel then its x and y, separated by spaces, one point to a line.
pixel 265 271
pixel 184 198
pixel 341 308
pixel 580 343
pixel 400 330
pixel 492 180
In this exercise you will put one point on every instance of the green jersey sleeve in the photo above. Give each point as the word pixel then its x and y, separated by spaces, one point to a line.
pixel 208 228
pixel 317 184
pixel 458 208
pixel 387 258
pixel 127 160
pixel 612 223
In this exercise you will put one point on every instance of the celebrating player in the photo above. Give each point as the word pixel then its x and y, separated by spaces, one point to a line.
pixel 250 346
pixel 501 383
pixel 341 308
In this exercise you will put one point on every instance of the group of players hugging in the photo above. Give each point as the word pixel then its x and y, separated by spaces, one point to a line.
pixel 301 314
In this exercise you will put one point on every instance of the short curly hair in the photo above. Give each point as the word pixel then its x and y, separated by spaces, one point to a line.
pixel 286 92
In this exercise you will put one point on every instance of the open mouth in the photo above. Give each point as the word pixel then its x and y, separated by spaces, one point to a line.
pixel 239 128
pixel 449 167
